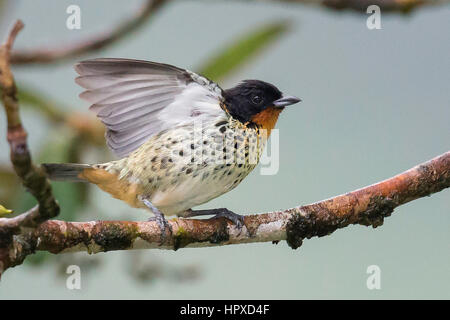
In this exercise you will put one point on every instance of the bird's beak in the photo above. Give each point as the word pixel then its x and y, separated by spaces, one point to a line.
pixel 286 101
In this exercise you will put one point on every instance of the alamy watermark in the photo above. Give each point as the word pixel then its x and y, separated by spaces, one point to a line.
pixel 374 20
pixel 374 279
pixel 73 21
pixel 73 281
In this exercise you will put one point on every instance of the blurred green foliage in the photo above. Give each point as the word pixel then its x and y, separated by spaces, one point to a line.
pixel 40 102
pixel 241 51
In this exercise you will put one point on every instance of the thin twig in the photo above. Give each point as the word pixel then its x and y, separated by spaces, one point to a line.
pixel 394 6
pixel 57 54
pixel 32 177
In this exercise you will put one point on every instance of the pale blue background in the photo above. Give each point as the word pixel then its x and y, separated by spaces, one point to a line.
pixel 374 104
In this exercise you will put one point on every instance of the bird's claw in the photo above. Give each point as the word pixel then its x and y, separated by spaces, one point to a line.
pixel 163 225
pixel 237 219
pixel 158 218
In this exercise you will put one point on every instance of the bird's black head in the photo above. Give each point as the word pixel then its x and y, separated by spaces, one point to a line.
pixel 252 100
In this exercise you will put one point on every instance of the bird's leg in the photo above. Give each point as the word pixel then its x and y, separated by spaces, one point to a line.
pixel 159 218
pixel 237 219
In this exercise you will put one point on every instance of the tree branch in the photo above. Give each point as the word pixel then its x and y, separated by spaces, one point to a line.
pixel 46 55
pixel 367 206
pixel 32 177
pixel 402 6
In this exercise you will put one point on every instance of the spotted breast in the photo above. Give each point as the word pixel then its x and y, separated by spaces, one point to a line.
pixel 187 166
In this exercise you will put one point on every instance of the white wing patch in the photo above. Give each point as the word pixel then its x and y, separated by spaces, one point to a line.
pixel 203 106
pixel 137 99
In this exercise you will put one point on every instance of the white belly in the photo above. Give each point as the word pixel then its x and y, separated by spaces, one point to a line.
pixel 197 190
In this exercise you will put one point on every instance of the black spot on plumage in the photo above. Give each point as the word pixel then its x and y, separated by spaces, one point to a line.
pixel 188 171
pixel 222 129
pixel 218 124
pixel 163 163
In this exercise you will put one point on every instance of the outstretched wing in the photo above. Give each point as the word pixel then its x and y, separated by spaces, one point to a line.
pixel 136 99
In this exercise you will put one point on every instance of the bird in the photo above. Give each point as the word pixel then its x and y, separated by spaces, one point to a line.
pixel 181 140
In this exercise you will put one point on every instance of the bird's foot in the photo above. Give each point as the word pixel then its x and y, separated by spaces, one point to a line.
pixel 237 219
pixel 159 218
pixel 163 225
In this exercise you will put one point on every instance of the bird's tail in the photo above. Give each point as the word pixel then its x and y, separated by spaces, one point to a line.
pixel 65 171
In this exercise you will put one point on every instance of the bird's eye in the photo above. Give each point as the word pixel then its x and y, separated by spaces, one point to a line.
pixel 256 99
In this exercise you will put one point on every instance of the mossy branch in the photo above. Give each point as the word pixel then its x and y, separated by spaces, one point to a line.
pixel 32 177
pixel 367 206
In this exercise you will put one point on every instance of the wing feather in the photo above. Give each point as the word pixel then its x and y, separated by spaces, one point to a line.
pixel 136 99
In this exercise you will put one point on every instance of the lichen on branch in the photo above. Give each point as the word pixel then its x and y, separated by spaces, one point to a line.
pixel 368 206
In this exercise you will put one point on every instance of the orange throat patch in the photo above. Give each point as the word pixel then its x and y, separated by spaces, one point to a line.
pixel 267 118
